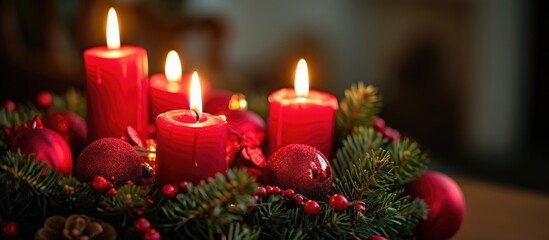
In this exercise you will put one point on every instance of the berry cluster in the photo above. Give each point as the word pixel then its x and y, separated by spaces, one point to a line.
pixel 388 133
pixel 143 227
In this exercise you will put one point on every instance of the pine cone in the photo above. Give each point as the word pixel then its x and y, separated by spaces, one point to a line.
pixel 76 227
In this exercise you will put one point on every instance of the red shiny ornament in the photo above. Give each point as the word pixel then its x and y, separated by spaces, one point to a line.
pixel 445 202
pixel 9 105
pixel 376 238
pixel 112 192
pixel 288 193
pixel 298 199
pixel 169 191
pixel 302 168
pixel 261 191
pixel 311 207
pixel 217 101
pixel 9 230
pixel 141 225
pixel 47 146
pixel 339 202
pixel 43 99
pixel 244 122
pixel 109 157
pixel 152 234
pixel 71 127
pixel 99 184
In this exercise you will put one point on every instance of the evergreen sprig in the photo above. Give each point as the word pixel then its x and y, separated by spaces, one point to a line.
pixel 409 160
pixel 358 108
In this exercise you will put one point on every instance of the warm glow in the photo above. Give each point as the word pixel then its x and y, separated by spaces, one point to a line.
pixel 238 102
pixel 113 35
pixel 301 80
pixel 195 94
pixel 172 68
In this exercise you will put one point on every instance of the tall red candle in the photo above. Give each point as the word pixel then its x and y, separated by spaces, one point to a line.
pixel 168 91
pixel 301 115
pixel 190 144
pixel 117 86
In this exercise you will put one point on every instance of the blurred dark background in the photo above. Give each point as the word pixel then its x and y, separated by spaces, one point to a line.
pixel 464 78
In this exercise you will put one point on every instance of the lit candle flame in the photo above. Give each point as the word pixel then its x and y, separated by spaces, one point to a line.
pixel 301 81
pixel 238 102
pixel 196 95
pixel 113 34
pixel 172 69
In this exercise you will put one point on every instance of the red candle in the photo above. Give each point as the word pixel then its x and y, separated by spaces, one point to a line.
pixel 117 86
pixel 168 91
pixel 190 144
pixel 301 115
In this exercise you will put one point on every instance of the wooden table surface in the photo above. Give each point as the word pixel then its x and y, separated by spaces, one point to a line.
pixel 500 212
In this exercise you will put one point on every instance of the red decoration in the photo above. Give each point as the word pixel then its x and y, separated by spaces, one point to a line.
pixel 378 124
pixel 9 105
pixel 218 101
pixel 112 192
pixel 261 191
pixel 47 146
pixel 269 189
pixel 168 191
pixel 298 199
pixel 360 207
pixel 445 202
pixel 376 238
pixel 43 99
pixel 302 168
pixel 71 127
pixel 99 184
pixel 245 151
pixel 111 158
pixel 288 193
pixel 152 234
pixel 311 207
pixel 141 225
pixel 9 230
pixel 339 202
pixel 183 185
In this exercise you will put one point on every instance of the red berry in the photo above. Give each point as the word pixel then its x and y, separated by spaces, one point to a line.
pixel 168 191
pixel 183 185
pixel 359 207
pixel 139 212
pixel 376 238
pixel 149 202
pixel 99 184
pixel 9 230
pixel 378 124
pixel 391 134
pixel 151 234
pixel 276 190
pixel 129 182
pixel 261 191
pixel 298 199
pixel 141 225
pixel 112 192
pixel 339 202
pixel 269 189
pixel 311 207
pixel 288 193
pixel 255 197
pixel 43 99
pixel 9 105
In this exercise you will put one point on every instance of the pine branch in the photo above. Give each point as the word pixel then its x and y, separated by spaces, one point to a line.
pixel 409 160
pixel 358 108
pixel 21 114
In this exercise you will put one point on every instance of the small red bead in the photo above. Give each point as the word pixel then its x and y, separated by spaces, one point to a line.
pixel 276 190
pixel 112 192
pixel 141 225
pixel 378 124
pixel 10 230
pixel 139 212
pixel 339 202
pixel 149 202
pixel 151 234
pixel 261 191
pixel 269 189
pixel 183 185
pixel 255 197
pixel 110 185
pixel 391 134
pixel 376 238
pixel 168 191
pixel 129 182
pixel 99 184
pixel 43 99
pixel 9 105
pixel 298 199
pixel 288 193
pixel 311 207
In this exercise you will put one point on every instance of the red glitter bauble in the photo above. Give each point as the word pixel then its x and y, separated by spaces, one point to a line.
pixel 302 168
pixel 71 127
pixel 445 202
pixel 339 202
pixel 99 184
pixel 311 207
pixel 110 158
pixel 47 146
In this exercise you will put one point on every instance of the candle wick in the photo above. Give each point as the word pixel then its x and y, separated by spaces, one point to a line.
pixel 197 116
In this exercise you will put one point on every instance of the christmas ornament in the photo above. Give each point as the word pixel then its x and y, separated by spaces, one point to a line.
pixel 261 191
pixel 217 101
pixel 47 146
pixel 71 127
pixel 141 225
pixel 43 99
pixel 301 168
pixel 241 120
pixel 288 193
pixel 245 151
pixel 151 234
pixel 169 191
pixel 360 207
pixel 339 202
pixel 445 203
pixel 111 158
pixel 112 192
pixel 99 184
pixel 298 199
pixel 376 238
pixel 75 227
pixel 9 230
pixel 9 105
pixel 311 207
